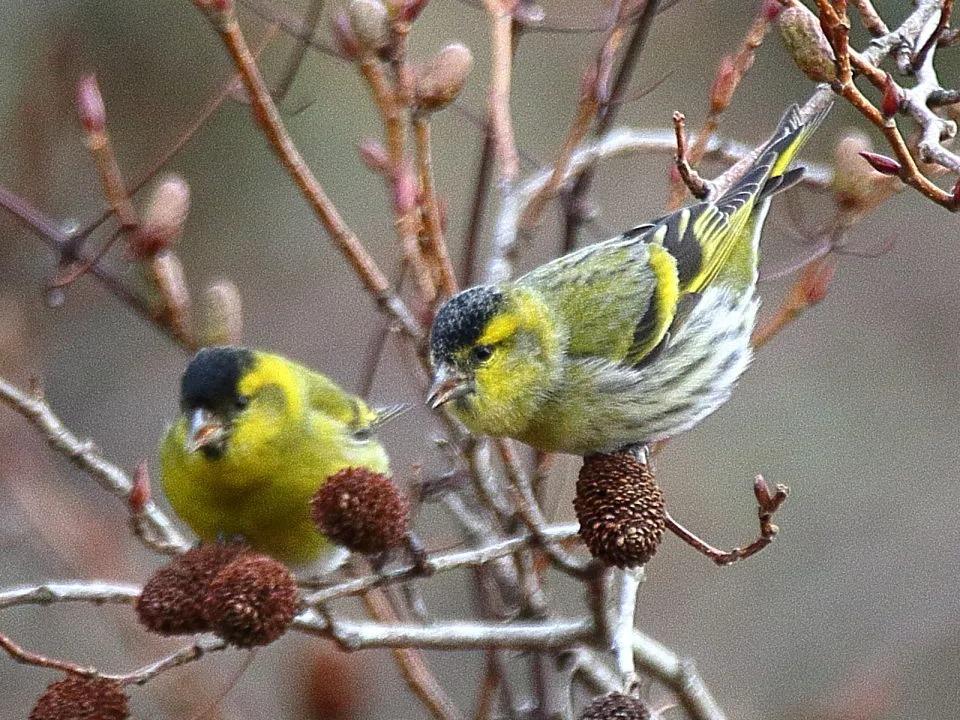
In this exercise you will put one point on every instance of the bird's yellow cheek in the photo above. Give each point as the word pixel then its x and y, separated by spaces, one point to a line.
pixel 254 430
pixel 506 396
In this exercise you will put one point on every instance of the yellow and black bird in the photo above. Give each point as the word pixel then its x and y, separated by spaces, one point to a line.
pixel 257 434
pixel 626 341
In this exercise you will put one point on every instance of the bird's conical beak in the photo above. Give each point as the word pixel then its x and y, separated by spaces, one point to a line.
pixel 448 384
pixel 204 429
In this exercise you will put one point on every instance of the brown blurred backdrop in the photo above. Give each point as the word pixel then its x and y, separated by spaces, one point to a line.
pixel 853 613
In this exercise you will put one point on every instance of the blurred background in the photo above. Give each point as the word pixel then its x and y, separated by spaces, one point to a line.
pixel 853 613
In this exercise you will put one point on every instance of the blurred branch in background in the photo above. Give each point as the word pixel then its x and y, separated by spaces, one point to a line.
pixel 514 560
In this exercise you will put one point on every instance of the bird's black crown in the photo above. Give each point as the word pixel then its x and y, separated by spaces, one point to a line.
pixel 210 380
pixel 461 320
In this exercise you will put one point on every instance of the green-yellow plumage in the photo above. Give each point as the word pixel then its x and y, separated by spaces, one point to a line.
pixel 256 436
pixel 628 340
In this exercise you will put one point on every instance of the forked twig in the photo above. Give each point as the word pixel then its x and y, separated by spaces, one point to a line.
pixel 768 503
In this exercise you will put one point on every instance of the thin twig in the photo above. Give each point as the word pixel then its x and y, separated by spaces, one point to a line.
pixel 267 115
pixel 226 91
pixel 25 657
pixel 679 675
pixel 82 591
pixel 836 28
pixel 529 511
pixel 623 629
pixel 697 186
pixel 618 143
pixel 436 246
pixel 438 563
pixel 51 233
pixel 163 536
pixel 576 200
pixel 489 685
pixel 418 676
pixel 309 29
pixel 767 503
pixel 871 19
pixel 501 19
pixel 391 106
pixel 729 74
pixel 465 635
pixel 474 223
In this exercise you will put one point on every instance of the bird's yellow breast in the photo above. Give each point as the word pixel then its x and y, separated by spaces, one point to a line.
pixel 280 449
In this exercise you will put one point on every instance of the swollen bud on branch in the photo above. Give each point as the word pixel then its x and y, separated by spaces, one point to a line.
pixel 724 84
pixel 163 219
pixel 172 283
pixel 374 156
pixel 882 164
pixel 370 23
pixel 90 107
pixel 890 102
pixel 344 37
pixel 223 314
pixel 804 39
pixel 440 81
pixel 858 187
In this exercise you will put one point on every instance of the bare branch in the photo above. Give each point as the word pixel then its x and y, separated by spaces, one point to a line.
pixel 160 533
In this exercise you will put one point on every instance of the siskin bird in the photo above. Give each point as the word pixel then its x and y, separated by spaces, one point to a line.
pixel 256 435
pixel 629 340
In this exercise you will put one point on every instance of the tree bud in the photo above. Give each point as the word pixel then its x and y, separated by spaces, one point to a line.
pixel 804 39
pixel 370 23
pixel 441 80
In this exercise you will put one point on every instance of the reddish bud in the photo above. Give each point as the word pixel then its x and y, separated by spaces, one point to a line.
pixel 410 10
pixel 528 13
pixel 724 84
pixel 163 218
pixel 890 102
pixel 770 9
pixel 343 36
pixel 90 107
pixel 881 163
pixel 956 192
pixel 803 38
pixel 223 314
pixel 441 80
pixel 370 23
pixel 374 155
pixel 405 190
pixel 140 493
pixel 588 83
pixel 815 281
pixel 857 187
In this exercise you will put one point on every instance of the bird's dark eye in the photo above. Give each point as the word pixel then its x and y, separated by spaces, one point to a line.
pixel 482 353
pixel 242 401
